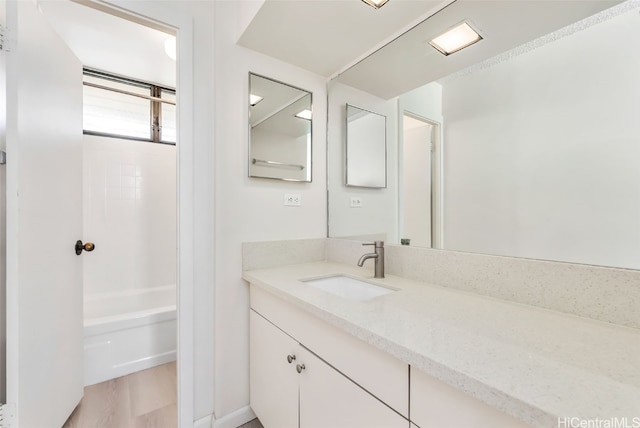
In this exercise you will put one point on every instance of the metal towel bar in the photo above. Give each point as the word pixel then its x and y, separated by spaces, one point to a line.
pixel 274 163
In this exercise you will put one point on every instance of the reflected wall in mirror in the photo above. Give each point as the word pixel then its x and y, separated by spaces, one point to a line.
pixel 279 130
pixel 539 154
pixel 360 212
pixel 366 147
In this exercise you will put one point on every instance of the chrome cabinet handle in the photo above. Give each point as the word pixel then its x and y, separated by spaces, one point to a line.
pixel 299 368
pixel 290 358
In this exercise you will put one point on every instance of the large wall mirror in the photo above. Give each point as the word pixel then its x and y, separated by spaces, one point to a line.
pixel 529 150
pixel 280 117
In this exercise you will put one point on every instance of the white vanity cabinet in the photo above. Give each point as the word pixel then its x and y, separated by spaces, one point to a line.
pixel 307 373
pixel 291 387
pixel 274 381
pixel 329 399
pixel 435 404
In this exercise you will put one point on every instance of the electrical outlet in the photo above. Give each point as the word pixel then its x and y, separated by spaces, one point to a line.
pixel 292 199
pixel 355 202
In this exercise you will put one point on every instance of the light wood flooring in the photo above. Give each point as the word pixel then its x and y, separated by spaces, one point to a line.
pixel 252 424
pixel 146 399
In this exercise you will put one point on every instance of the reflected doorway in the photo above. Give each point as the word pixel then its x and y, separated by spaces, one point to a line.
pixel 419 171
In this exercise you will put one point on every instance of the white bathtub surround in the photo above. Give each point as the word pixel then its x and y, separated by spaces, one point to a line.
pixel 129 190
pixel 118 303
pixel 129 195
pixel 534 364
pixel 128 331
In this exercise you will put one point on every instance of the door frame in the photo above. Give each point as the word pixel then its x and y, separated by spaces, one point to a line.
pixel 160 16
pixel 436 175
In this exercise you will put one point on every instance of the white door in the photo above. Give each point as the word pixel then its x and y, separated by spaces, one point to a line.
pixel 44 219
pixel 417 186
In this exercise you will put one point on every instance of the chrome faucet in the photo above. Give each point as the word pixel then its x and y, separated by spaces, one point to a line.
pixel 378 255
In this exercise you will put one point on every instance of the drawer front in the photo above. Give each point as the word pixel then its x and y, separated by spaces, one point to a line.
pixel 435 404
pixel 374 370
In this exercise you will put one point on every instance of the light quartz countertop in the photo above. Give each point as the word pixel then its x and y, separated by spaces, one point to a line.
pixel 535 364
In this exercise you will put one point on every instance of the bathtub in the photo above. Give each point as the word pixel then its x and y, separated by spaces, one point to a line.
pixel 128 331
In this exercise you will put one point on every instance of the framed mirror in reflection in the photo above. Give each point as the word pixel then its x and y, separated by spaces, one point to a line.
pixel 366 146
pixel 539 151
pixel 280 130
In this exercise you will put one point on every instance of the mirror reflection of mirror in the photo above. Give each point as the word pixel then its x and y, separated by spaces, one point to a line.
pixel 366 146
pixel 360 212
pixel 280 125
pixel 538 151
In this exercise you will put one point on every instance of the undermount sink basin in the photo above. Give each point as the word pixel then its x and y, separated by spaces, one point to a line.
pixel 349 288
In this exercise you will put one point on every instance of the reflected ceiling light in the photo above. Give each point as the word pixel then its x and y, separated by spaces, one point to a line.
pixel 376 4
pixel 254 99
pixel 457 38
pixel 170 47
pixel 304 114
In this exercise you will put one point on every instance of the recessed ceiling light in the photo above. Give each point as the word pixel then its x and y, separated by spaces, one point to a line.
pixel 304 114
pixel 457 38
pixel 377 4
pixel 254 99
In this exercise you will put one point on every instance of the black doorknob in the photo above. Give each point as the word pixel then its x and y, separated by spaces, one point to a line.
pixel 89 246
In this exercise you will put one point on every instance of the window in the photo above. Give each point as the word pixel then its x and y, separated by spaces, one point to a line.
pixel 120 107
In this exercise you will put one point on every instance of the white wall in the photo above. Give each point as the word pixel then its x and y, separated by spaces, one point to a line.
pixel 129 197
pixel 280 147
pixel 251 209
pixel 378 216
pixel 541 155
pixel 367 150
pixel 425 101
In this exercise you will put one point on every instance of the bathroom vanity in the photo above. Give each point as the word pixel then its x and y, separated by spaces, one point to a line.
pixel 308 371
pixel 427 355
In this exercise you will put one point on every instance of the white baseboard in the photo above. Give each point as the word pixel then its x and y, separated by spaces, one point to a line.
pixel 235 419
pixel 206 422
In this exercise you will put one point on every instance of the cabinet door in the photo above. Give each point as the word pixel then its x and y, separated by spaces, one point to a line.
pixel 273 380
pixel 329 399
pixel 434 404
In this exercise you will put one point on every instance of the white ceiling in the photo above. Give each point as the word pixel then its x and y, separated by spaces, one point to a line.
pixel 324 36
pixel 410 62
pixel 336 36
pixel 280 103
pixel 109 43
